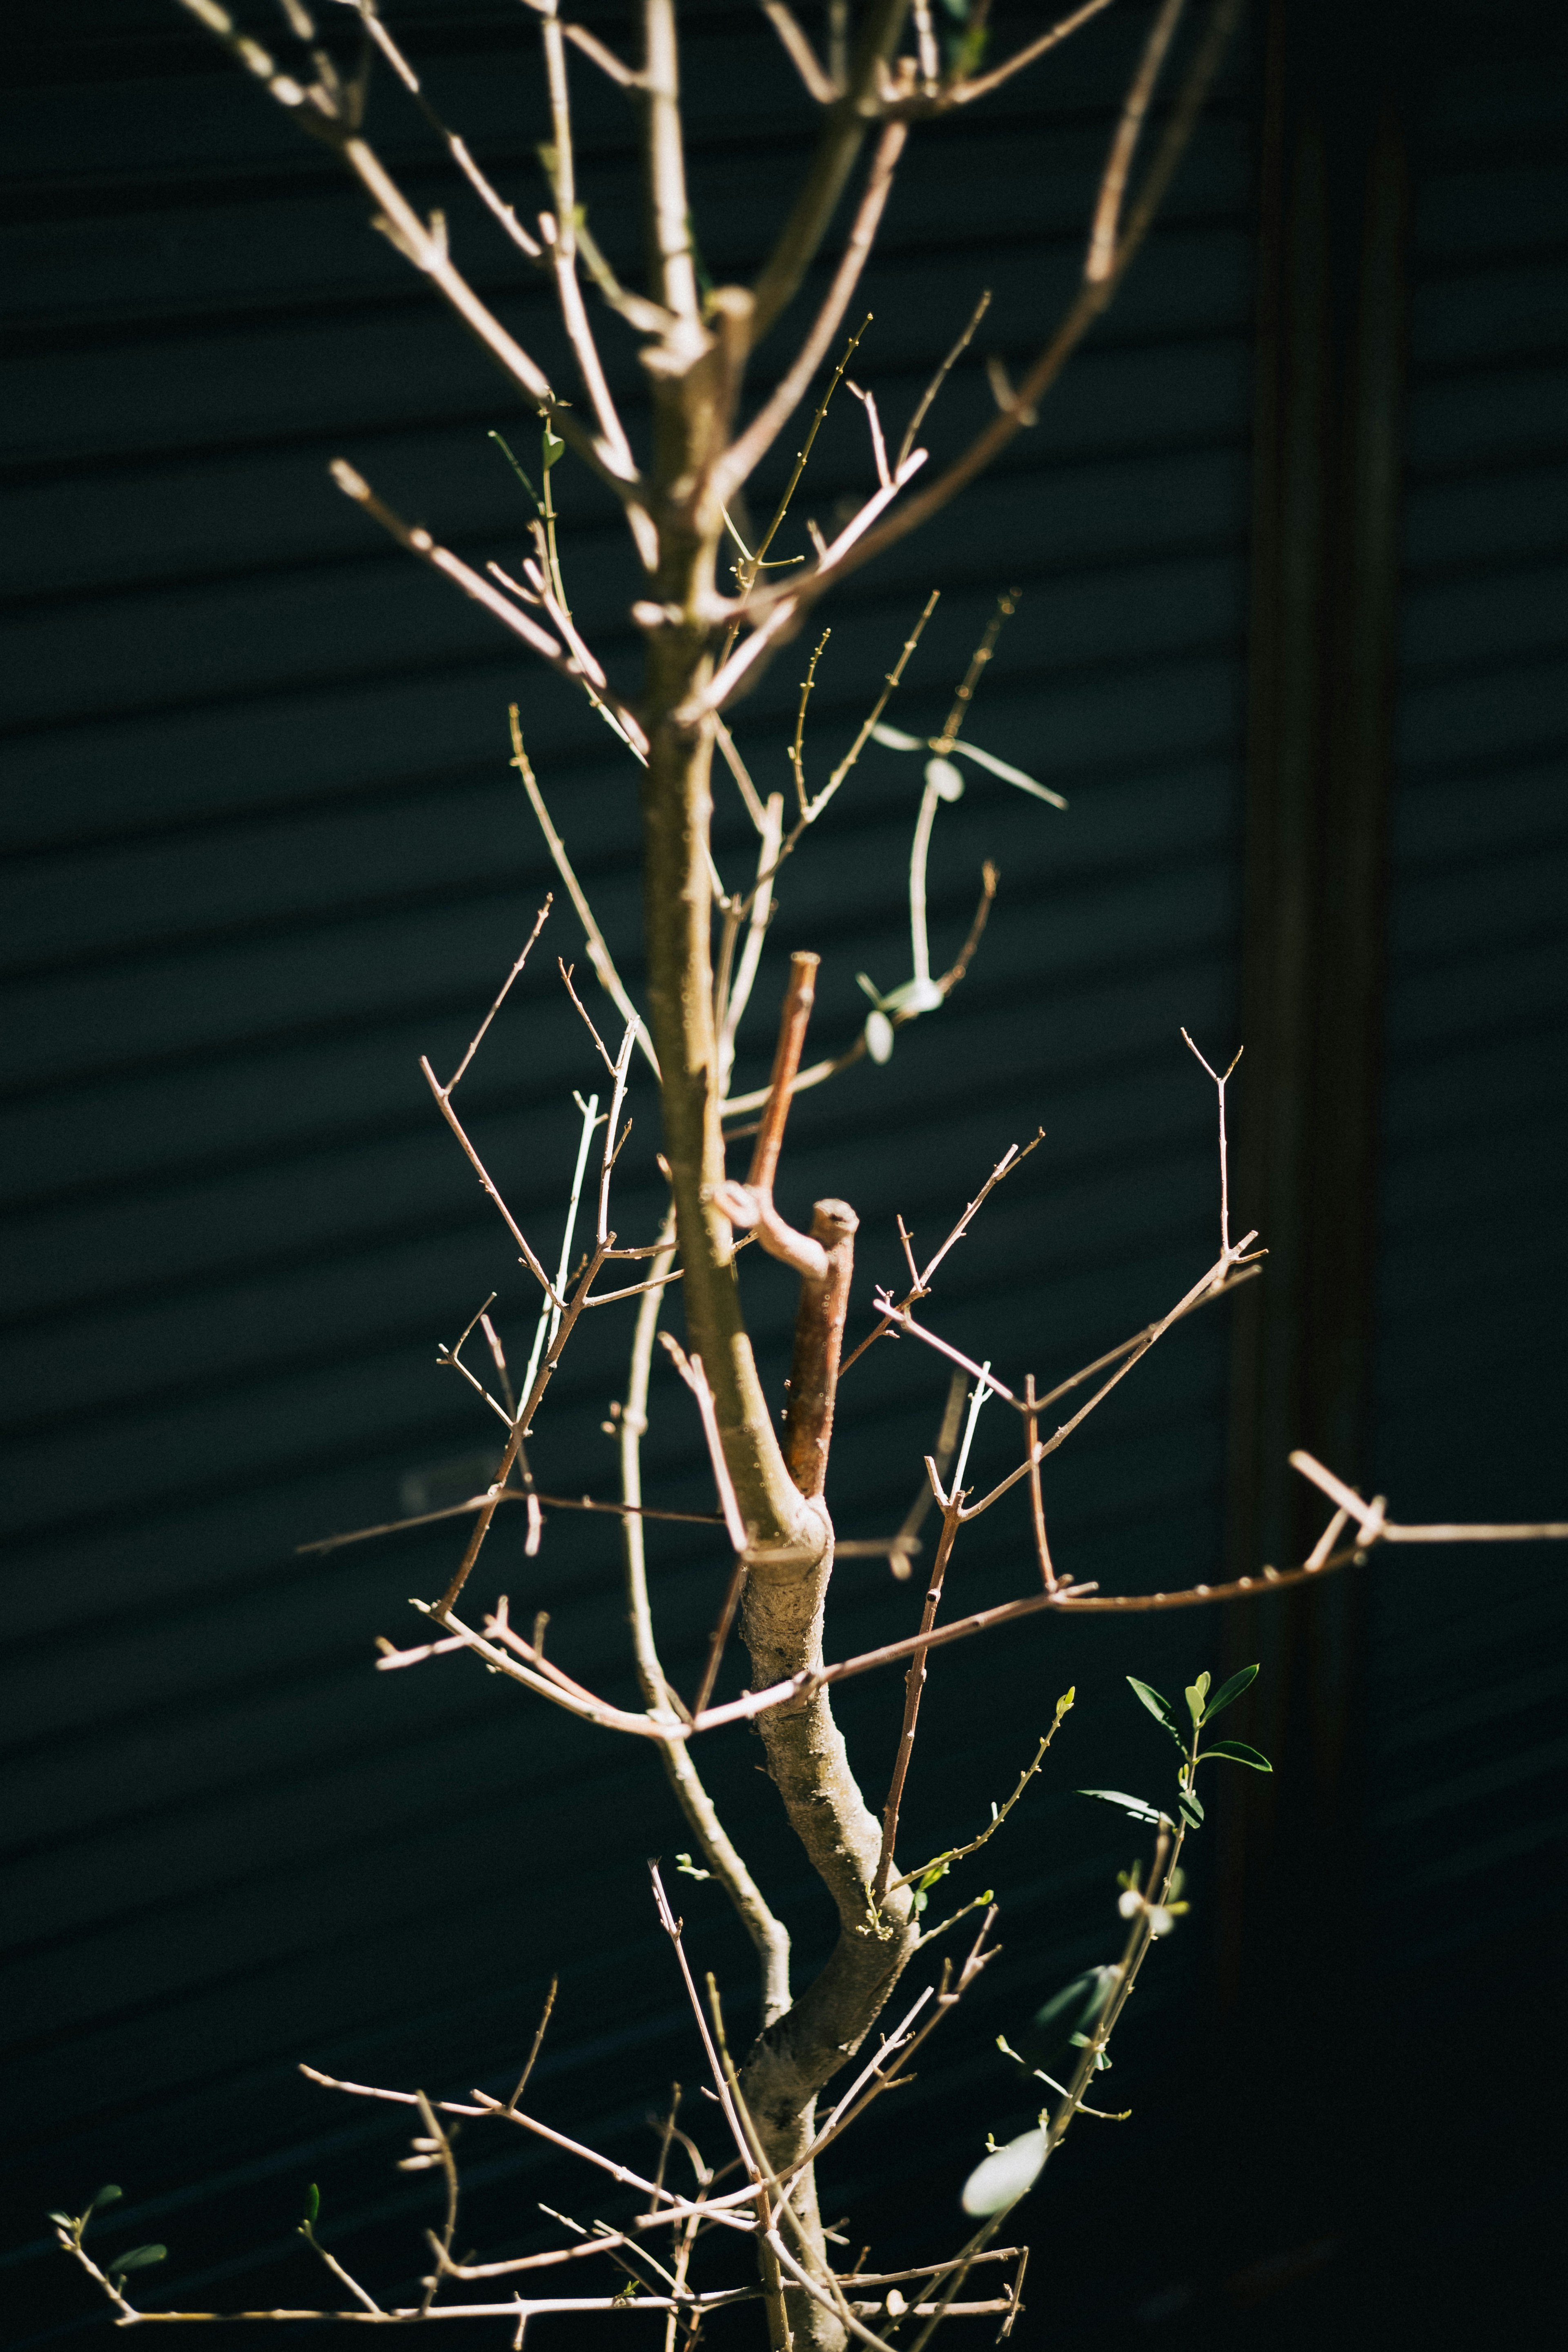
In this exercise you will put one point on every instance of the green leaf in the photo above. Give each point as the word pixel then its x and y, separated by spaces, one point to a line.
pixel 1229 1691
pixel 553 449
pixel 1005 2176
pixel 1069 2017
pixel 312 2204
pixel 110 2195
pixel 1160 1708
pixel 66 2221
pixel 140 2258
pixel 1195 1696
pixel 1137 1807
pixel 1236 1751
pixel 1192 1811
pixel 1066 1700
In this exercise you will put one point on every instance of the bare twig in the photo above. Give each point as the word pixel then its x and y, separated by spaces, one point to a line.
pixel 943 372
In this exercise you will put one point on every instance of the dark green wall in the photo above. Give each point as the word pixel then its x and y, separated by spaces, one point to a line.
pixel 266 850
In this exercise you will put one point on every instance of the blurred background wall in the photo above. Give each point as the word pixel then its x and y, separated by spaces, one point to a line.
pixel 1293 546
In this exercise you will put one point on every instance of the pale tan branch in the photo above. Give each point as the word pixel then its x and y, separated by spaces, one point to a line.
pixel 478 1038
pixel 1011 1159
pixel 418 542
pixel 801 55
pixel 768 631
pixel 768 1935
pixel 1101 257
pixel 696 1378
pixel 513 1228
pixel 964 93
pixel 944 371
pixel 844 128
pixel 370 17
pixel 510 1495
pixel 795 1015
pixel 599 955
pixel 742 457
pixel 1077 318
pixel 605 59
pixel 665 165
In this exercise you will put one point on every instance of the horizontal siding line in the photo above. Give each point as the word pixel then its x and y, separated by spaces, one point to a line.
pixel 590 539
pixel 121 326
pixel 977 571
pixel 391 1340
pixel 833 705
pixel 156 460
pixel 435 1229
pixel 1470 858
pixel 1482 767
pixel 1493 565
pixel 256 1157
pixel 1444 669
pixel 408 1441
pixel 1480 465
pixel 360 1023
pixel 1408 964
pixel 594 1584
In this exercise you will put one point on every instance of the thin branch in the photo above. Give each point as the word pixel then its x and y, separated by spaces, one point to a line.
pixel 370 17
pixel 801 54
pixel 768 1935
pixel 914 1685
pixel 1220 1086
pixel 724 683
pixel 605 59
pixel 537 2043
pixel 1101 260
pixel 665 164
pixel 945 369
pixel 696 1378
pixel 749 568
pixel 838 144
pixel 793 1016
pixel 964 93
pixel 742 457
pixel 952 725
pixel 998 1815
pixel 731 1005
pixel 510 1495
pixel 513 1228
pixel 599 956
pixel 1078 317
pixel 418 542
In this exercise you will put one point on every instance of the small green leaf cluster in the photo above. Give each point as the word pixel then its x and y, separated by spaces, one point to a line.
pixel 1201 1709
pixel 73 2229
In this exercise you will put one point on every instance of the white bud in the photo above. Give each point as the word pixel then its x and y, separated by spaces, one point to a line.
pixel 945 781
pixel 879 1036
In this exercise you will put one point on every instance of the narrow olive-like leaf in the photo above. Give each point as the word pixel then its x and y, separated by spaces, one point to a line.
pixel 66 2221
pixel 140 2258
pixel 1069 2018
pixel 312 2202
pixel 1236 1751
pixel 1196 1695
pixel 1160 1708
pixel 1228 1691
pixel 1139 1810
pixel 1005 2177
pixel 1192 1811
pixel 109 2194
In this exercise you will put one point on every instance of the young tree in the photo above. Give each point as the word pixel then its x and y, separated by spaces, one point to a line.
pixel 890 66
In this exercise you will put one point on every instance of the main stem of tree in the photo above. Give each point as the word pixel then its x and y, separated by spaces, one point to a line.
pixel 781 1614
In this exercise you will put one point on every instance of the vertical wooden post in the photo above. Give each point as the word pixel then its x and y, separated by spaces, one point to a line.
pixel 1329 406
